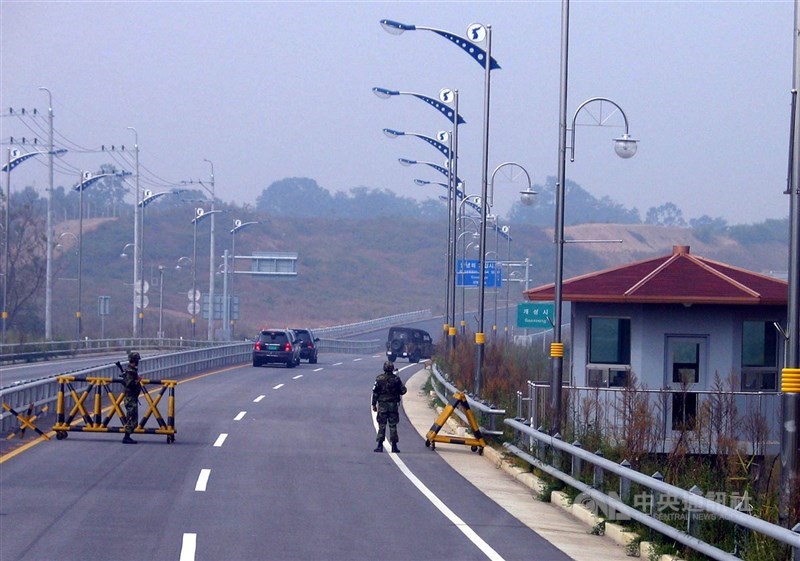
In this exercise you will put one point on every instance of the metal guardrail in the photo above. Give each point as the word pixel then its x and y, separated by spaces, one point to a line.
pixel 485 411
pixel 172 365
pixel 347 346
pixel 340 331
pixel 656 487
pixel 606 408
pixel 45 350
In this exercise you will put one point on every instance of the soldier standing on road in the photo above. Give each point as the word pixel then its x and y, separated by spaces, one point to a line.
pixel 130 380
pixel 386 395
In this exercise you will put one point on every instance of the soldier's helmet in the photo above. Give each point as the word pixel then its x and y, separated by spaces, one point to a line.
pixel 133 356
pixel 388 366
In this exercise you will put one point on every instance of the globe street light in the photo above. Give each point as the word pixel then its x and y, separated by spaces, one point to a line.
pixel 625 147
pixel 15 158
pixel 488 195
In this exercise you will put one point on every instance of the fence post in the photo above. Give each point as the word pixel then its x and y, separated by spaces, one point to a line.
pixel 597 477
pixel 692 521
pixel 625 484
pixel 557 453
pixel 540 446
pixel 576 462
pixel 740 534
pixel 655 498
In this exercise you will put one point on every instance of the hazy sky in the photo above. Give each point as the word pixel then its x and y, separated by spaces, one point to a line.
pixel 268 90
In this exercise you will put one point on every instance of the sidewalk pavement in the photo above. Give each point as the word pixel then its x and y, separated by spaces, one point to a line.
pixel 503 483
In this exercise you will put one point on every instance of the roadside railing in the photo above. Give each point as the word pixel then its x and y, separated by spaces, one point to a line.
pixel 548 453
pixel 670 414
pixel 45 350
pixel 349 329
pixel 485 413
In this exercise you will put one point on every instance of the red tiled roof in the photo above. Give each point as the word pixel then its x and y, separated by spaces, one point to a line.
pixel 678 277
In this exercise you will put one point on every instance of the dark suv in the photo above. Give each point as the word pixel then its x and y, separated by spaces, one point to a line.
pixel 276 346
pixel 410 343
pixel 308 350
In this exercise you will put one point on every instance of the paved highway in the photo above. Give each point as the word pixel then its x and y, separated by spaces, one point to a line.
pixel 268 463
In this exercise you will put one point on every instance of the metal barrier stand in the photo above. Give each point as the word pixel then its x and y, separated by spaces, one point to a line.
pixel 94 421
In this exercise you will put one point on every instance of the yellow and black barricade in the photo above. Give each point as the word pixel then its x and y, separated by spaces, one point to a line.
pixel 477 443
pixel 95 422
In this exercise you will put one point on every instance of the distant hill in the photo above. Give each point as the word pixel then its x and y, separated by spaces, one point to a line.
pixel 348 270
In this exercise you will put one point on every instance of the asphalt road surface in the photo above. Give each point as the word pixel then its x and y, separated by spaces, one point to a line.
pixel 268 463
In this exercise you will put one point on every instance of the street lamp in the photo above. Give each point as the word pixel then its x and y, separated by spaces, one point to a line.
pixel 211 255
pixel 86 180
pixel 137 268
pixel 48 289
pixel 199 214
pixel 447 104
pixel 148 197
pixel 477 33
pixel 625 147
pixel 237 225
pixel 161 301
pixel 488 200
pixel 448 327
pixel 15 158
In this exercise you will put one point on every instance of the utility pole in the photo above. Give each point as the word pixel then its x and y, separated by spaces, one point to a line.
pixel 136 267
pixel 211 259
pixel 48 290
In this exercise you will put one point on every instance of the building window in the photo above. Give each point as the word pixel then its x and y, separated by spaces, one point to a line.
pixel 685 362
pixel 610 341
pixel 759 356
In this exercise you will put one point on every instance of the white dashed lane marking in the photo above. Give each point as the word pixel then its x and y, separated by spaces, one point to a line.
pixel 279 386
pixel 337 364
pixel 300 376
pixel 202 480
pixel 188 547
pixel 259 398
pixel 357 359
pixel 220 439
pixel 240 416
pixel 318 369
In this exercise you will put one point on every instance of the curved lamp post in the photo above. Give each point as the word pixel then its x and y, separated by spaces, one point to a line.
pixel 148 197
pixel 488 201
pixel 476 33
pixel 15 158
pixel 86 181
pixel 237 226
pixel 447 104
pixel 625 147
pixel 448 327
pixel 199 214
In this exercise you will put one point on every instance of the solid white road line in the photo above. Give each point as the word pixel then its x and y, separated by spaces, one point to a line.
pixel 279 386
pixel 485 548
pixel 240 416
pixel 202 480
pixel 188 547
pixel 220 439
pixel 259 398
pixel 299 376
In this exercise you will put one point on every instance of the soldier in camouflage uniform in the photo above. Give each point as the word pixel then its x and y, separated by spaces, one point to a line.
pixel 130 380
pixel 386 395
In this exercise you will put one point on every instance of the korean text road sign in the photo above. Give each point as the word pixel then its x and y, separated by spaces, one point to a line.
pixel 535 315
